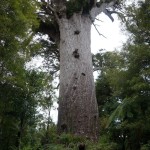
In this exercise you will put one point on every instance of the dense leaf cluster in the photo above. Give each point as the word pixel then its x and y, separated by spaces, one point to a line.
pixel 78 6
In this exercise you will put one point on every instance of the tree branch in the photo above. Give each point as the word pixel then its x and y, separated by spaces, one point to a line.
pixel 98 19
pixel 96 27
pixel 98 31
pixel 52 32
pixel 53 10
pixel 96 69
pixel 49 9
pixel 98 9
pixel 108 13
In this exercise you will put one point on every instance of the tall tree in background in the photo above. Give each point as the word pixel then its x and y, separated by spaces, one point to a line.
pixel 68 23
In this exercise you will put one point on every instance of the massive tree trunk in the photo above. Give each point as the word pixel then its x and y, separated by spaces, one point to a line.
pixel 78 111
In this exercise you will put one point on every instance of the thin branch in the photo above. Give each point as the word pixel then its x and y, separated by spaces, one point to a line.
pixel 98 19
pixel 53 10
pixel 57 86
pixel 98 31
pixel 42 13
pixel 48 2
pixel 96 69
pixel 97 25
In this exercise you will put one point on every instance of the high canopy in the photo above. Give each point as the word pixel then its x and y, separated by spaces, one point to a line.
pixel 53 10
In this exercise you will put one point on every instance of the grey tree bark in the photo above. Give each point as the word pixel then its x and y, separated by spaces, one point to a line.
pixel 78 111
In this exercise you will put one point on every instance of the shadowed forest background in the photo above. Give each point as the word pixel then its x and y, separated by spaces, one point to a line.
pixel 122 86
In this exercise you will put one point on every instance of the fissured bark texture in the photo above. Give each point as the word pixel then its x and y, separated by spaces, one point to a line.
pixel 78 111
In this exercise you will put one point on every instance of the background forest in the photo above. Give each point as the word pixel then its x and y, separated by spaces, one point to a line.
pixel 122 86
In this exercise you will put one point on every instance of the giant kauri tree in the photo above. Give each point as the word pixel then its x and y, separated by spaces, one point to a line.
pixel 68 24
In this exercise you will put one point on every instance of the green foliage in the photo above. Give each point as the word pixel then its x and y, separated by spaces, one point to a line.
pixel 123 86
pixel 138 23
pixel 69 139
pixel 103 144
pixel 122 93
pixel 71 142
pixel 76 6
pixel 20 89
pixel 146 146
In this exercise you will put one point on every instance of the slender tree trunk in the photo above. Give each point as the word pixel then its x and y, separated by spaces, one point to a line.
pixel 78 111
pixel 20 132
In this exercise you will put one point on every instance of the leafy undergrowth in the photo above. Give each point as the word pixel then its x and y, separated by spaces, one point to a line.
pixel 50 140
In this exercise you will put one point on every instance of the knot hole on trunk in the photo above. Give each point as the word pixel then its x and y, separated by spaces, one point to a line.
pixel 74 87
pixel 76 54
pixel 83 74
pixel 76 32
